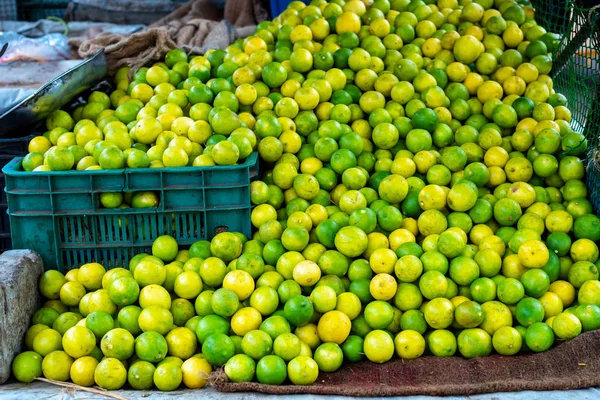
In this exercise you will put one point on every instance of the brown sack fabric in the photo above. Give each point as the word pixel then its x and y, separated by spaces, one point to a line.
pixel 135 50
pixel 237 12
pixel 573 364
pixel 195 9
pixel 187 28
pixel 244 13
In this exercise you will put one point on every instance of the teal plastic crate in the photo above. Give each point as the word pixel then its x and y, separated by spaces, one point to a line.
pixel 58 214
pixel 33 10
pixel 9 149
pixel 279 6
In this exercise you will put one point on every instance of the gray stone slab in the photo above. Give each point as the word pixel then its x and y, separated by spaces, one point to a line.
pixel 20 271
pixel 39 390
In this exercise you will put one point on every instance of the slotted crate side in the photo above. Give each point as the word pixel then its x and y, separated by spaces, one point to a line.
pixel 33 10
pixel 67 241
pixel 58 214
pixel 5 240
pixel 9 149
pixel 181 198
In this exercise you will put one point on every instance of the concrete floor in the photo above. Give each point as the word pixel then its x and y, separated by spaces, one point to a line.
pixel 44 391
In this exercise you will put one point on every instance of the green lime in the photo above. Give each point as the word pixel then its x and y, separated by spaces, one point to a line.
pixel 298 310
pixel 257 344
pixel 303 370
pixel 353 348
pixel 240 368
pixel 27 366
pixel 539 337
pixel 151 346
pixel 468 314
pixel 442 343
pixel 167 376
pixel 218 348
pixel 529 310
pixel 474 342
pixel 507 341
pixel 140 375
pixel 329 357
pixel 271 370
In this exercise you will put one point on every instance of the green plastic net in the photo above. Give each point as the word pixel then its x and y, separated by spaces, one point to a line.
pixel 576 72
pixel 576 65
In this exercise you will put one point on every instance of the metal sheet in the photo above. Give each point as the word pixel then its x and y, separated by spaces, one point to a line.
pixel 18 121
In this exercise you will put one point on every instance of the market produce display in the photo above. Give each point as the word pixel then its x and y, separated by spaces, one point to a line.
pixel 424 194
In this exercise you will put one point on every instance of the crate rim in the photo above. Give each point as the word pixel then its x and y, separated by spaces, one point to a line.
pixel 17 140
pixel 11 169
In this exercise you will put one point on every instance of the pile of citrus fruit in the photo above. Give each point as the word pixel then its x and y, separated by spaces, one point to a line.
pixel 424 194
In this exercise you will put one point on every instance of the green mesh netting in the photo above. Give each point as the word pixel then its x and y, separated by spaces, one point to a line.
pixel 577 60
pixel 576 72
pixel 552 14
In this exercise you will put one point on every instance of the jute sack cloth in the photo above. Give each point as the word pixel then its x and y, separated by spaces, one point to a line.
pixel 184 28
pixel 123 12
pixel 573 364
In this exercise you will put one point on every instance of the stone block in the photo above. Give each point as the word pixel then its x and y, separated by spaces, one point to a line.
pixel 20 271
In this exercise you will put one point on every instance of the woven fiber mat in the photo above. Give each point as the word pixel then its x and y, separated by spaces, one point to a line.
pixel 573 364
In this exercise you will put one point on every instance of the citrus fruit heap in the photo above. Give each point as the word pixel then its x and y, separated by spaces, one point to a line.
pixel 423 193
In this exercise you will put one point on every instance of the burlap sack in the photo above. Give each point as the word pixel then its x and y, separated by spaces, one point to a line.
pixel 125 12
pixel 573 364
pixel 237 12
pixel 184 28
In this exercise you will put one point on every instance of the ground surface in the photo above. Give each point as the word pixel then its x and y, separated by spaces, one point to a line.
pixel 43 391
